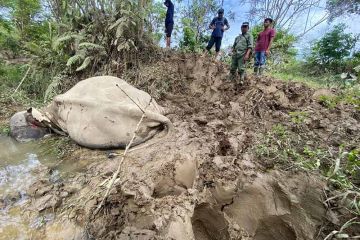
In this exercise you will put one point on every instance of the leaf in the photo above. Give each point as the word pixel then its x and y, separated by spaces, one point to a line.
pixel 357 69
pixel 342 235
pixel 85 64
pixel 52 89
pixel 116 23
pixel 90 45
pixel 74 59
pixel 60 40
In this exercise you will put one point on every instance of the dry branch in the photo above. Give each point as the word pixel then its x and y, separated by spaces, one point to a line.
pixel 116 174
pixel 21 82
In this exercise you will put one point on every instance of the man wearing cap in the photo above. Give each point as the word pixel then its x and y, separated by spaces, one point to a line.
pixel 263 45
pixel 241 50
pixel 169 21
pixel 219 25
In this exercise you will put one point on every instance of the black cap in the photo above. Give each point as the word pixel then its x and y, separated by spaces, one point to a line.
pixel 245 24
pixel 221 11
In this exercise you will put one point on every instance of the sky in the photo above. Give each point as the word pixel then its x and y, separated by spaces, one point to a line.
pixel 304 43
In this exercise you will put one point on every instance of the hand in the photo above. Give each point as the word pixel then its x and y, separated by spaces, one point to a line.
pixel 246 57
pixel 267 52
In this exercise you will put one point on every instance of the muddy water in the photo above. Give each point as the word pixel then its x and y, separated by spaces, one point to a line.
pixel 17 165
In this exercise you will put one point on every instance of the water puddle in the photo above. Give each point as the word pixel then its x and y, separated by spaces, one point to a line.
pixel 17 164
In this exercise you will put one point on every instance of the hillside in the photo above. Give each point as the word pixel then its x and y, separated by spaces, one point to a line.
pixel 267 161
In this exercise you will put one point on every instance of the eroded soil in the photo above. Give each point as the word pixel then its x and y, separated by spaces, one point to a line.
pixel 206 181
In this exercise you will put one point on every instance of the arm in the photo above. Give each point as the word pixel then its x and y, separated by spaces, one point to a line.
pixel 272 36
pixel 212 24
pixel 249 48
pixel 226 24
pixel 234 45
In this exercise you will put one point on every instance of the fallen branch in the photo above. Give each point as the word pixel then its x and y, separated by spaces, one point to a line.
pixel 21 82
pixel 131 98
pixel 115 175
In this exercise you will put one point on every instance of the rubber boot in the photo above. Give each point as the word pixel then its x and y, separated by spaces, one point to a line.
pixel 256 71
pixel 261 71
pixel 242 77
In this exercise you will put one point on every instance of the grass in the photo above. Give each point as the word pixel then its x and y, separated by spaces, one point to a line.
pixel 313 82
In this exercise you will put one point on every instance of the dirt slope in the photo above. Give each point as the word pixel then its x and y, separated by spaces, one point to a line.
pixel 207 180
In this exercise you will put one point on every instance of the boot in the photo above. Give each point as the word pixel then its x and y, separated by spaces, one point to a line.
pixel 256 71
pixel 261 70
pixel 242 77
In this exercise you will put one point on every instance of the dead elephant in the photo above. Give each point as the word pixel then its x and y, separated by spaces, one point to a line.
pixel 103 112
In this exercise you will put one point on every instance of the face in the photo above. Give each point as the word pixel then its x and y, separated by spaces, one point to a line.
pixel 267 23
pixel 220 15
pixel 244 29
pixel 166 4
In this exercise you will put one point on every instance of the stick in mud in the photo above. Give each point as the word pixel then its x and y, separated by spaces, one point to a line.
pixel 115 175
pixel 21 82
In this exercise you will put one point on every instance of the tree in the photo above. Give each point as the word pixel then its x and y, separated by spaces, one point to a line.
pixel 333 48
pixel 197 15
pixel 340 7
pixel 285 13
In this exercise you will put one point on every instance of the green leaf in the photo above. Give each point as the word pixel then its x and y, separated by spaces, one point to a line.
pixel 60 40
pixel 85 64
pixel 74 59
pixel 90 45
pixel 116 23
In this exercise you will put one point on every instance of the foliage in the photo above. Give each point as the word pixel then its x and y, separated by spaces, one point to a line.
pixel 189 41
pixel 332 50
pixel 196 16
pixel 156 19
pixel 338 8
pixel 298 117
pixel 287 149
pixel 349 96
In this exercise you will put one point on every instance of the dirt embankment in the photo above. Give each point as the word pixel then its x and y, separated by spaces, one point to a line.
pixel 206 181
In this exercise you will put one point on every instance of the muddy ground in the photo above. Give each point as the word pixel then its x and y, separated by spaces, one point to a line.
pixel 209 180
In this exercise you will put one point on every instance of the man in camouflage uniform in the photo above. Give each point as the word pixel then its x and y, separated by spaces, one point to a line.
pixel 241 52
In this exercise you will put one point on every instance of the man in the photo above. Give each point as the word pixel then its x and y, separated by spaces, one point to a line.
pixel 263 45
pixel 169 21
pixel 241 50
pixel 219 25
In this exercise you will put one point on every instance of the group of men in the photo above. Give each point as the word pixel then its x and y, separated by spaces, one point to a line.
pixel 243 46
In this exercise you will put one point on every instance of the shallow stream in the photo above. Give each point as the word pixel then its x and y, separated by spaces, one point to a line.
pixel 20 164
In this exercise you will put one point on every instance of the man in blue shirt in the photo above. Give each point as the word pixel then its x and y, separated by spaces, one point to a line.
pixel 219 25
pixel 169 21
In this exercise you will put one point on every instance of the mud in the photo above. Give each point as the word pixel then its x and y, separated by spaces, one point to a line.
pixel 205 182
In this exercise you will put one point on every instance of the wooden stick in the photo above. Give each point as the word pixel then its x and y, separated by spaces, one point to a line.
pixel 115 175
pixel 22 80
pixel 132 99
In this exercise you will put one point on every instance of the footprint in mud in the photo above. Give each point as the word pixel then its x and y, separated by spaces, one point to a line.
pixel 209 224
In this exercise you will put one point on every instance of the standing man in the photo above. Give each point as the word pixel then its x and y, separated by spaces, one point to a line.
pixel 169 21
pixel 219 25
pixel 241 51
pixel 263 45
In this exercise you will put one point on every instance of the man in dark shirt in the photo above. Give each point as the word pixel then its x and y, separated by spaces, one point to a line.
pixel 263 45
pixel 219 25
pixel 169 21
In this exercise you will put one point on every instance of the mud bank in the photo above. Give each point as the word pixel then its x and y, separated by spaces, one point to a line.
pixel 206 181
